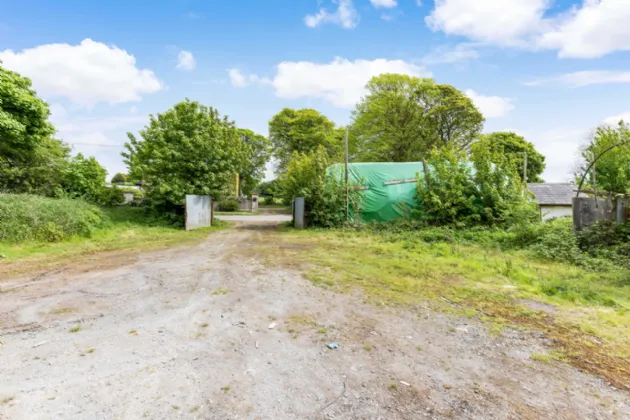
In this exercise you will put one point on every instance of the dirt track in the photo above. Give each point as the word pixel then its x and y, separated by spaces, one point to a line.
pixel 184 333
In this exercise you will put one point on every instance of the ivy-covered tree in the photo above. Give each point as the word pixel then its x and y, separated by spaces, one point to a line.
pixel 303 131
pixel 512 148
pixel 31 160
pixel 403 118
pixel 612 171
pixel 189 149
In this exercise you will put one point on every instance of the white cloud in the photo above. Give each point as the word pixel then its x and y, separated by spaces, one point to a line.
pixel 614 120
pixel 186 61
pixel 584 78
pixel 340 82
pixel 345 16
pixel 384 3
pixel 502 22
pixel 598 28
pixel 448 55
pixel 593 29
pixel 240 80
pixel 490 106
pixel 86 74
pixel 561 149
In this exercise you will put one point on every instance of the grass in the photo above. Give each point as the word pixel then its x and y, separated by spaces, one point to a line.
pixel 587 316
pixel 74 329
pixel 125 229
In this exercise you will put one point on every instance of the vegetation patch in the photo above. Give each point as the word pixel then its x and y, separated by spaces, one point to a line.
pixel 476 277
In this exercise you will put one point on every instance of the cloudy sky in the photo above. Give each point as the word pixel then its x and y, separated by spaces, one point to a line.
pixel 551 70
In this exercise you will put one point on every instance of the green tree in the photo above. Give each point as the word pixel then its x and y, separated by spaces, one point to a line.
pixel 513 147
pixel 30 159
pixel 612 170
pixel 255 153
pixel 402 118
pixel 324 195
pixel 119 178
pixel 189 149
pixel 271 188
pixel 85 178
pixel 303 131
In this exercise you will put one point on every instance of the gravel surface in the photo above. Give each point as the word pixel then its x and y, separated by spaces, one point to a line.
pixel 184 333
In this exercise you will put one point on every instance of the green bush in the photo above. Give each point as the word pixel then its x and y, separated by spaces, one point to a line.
pixel 229 205
pixel 267 201
pixel 113 196
pixel 35 218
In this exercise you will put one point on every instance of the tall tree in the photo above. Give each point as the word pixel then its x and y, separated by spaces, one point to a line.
pixel 30 159
pixel 513 147
pixel 303 131
pixel 255 153
pixel 402 118
pixel 189 149
pixel 612 170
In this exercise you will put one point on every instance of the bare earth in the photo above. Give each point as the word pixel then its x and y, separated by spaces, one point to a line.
pixel 184 333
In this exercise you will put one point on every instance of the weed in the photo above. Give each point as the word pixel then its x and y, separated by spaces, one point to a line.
pixel 220 292
pixel 322 331
pixel 548 357
pixel 194 409
pixel 367 347
pixel 62 311
pixel 76 328
pixel 133 332
pixel 6 400
pixel 204 325
pixel 90 350
pixel 393 387
pixel 226 388
pixel 419 347
pixel 175 407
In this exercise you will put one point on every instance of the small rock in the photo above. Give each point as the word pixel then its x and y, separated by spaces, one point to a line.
pixel 333 346
pixel 272 325
pixel 405 383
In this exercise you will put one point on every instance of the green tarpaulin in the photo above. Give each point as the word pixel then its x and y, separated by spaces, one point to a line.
pixel 388 189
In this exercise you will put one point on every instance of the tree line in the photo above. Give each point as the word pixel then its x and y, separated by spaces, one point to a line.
pixel 193 149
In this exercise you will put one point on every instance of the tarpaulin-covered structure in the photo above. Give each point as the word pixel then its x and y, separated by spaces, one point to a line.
pixel 388 189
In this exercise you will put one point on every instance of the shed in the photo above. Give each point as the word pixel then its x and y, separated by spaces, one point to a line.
pixel 554 199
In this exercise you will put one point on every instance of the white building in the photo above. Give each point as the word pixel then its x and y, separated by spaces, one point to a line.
pixel 554 200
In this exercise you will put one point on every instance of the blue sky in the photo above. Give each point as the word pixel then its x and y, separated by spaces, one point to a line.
pixel 549 70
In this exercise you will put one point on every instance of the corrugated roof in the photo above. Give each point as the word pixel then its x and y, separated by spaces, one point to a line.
pixel 553 194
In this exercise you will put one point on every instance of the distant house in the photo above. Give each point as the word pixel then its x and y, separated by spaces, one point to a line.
pixel 554 200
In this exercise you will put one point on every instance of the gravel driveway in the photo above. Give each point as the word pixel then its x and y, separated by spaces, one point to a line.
pixel 216 331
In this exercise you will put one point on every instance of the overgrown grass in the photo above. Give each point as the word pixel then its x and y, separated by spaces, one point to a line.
pixel 584 311
pixel 122 228
pixel 26 217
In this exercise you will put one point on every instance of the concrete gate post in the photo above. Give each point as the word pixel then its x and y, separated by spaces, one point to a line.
pixel 298 213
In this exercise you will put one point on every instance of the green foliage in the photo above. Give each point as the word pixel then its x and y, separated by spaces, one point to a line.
pixel 84 178
pixel 255 153
pixel 324 195
pixel 613 168
pixel 30 159
pixel 267 201
pixel 402 118
pixel 461 192
pixel 271 188
pixel 229 205
pixel 34 218
pixel 513 147
pixel 119 178
pixel 113 196
pixel 303 131
pixel 189 149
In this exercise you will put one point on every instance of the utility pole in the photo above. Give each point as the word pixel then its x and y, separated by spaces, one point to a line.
pixel 525 167
pixel 347 191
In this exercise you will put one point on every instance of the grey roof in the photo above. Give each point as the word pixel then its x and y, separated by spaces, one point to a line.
pixel 553 194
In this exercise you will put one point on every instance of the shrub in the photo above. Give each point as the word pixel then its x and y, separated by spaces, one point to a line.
pixel 267 201
pixel 230 205
pixel 113 196
pixel 324 193
pixel 36 218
